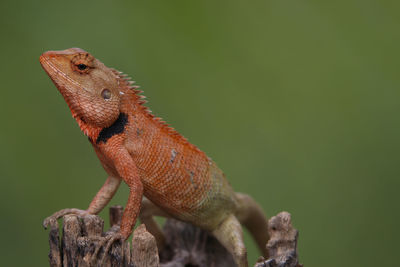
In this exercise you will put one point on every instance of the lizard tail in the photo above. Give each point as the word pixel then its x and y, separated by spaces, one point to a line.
pixel 251 215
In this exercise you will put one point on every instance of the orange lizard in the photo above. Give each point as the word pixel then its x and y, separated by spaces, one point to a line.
pixel 153 159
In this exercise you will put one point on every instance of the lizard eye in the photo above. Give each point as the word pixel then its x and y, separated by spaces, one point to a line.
pixel 82 66
pixel 82 63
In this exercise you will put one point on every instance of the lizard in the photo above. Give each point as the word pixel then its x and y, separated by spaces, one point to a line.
pixel 152 158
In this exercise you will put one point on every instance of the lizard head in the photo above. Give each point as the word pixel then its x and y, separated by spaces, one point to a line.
pixel 87 85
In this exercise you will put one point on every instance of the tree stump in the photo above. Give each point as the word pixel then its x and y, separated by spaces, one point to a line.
pixel 83 242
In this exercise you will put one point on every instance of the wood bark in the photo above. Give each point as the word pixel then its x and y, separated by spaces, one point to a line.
pixel 83 243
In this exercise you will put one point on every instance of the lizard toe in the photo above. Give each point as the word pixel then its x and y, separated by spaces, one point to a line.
pixel 52 219
pixel 106 243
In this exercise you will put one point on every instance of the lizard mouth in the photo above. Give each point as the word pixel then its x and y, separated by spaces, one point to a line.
pixel 44 62
pixel 61 80
pixel 48 61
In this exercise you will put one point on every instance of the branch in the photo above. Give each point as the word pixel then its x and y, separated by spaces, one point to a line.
pixel 186 245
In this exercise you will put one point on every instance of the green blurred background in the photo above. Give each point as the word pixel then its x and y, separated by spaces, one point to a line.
pixel 297 101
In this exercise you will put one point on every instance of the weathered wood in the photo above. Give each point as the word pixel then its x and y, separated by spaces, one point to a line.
pixel 115 214
pixel 82 238
pixel 144 248
pixel 54 240
pixel 282 245
pixel 71 232
pixel 188 245
pixel 83 243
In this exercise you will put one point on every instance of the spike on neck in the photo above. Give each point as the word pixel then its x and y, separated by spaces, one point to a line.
pixel 90 131
pixel 132 93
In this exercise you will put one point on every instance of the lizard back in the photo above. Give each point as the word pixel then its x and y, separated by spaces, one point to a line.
pixel 176 175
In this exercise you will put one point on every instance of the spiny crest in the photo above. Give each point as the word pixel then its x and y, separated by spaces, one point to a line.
pixel 126 83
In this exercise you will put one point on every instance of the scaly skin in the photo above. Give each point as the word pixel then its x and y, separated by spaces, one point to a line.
pixel 150 157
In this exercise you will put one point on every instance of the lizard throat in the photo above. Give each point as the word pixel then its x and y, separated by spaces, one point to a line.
pixel 88 130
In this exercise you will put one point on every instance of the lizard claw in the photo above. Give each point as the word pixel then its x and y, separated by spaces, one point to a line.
pixel 52 219
pixel 108 241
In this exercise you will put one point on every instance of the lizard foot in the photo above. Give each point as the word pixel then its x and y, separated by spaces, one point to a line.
pixel 54 217
pixel 109 240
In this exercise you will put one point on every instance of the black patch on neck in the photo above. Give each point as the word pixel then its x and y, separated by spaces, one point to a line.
pixel 116 128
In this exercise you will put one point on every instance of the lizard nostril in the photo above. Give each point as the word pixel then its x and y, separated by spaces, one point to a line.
pixel 106 94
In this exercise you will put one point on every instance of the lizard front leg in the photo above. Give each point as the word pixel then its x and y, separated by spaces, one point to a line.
pixel 101 199
pixel 127 169
pixel 128 172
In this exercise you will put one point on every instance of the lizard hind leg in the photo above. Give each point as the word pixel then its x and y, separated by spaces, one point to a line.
pixel 146 216
pixel 229 234
pixel 251 215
